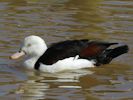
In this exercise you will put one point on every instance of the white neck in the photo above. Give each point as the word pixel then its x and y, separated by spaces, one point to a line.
pixel 30 63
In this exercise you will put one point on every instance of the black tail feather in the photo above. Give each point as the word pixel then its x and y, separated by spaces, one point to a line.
pixel 109 54
pixel 118 51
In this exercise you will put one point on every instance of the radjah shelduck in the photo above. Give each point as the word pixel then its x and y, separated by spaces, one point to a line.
pixel 67 55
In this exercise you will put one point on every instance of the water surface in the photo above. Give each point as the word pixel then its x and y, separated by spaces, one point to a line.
pixel 57 20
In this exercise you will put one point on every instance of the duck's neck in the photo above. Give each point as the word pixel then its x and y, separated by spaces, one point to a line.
pixel 32 59
pixel 30 63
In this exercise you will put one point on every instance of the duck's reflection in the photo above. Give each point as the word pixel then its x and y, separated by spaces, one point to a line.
pixel 51 86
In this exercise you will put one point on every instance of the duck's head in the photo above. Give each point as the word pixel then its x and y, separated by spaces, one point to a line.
pixel 33 46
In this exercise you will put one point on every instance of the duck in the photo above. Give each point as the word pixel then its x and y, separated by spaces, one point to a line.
pixel 68 54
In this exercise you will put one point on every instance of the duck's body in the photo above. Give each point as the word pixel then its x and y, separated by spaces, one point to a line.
pixel 67 55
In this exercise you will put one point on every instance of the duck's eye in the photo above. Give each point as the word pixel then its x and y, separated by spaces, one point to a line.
pixel 28 45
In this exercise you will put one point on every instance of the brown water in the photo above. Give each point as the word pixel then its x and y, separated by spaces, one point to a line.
pixel 57 20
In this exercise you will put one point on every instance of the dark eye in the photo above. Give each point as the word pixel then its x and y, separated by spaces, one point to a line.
pixel 28 45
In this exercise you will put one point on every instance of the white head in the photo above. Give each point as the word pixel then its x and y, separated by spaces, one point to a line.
pixel 33 46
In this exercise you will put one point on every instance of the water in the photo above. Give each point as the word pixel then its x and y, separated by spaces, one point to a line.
pixel 57 20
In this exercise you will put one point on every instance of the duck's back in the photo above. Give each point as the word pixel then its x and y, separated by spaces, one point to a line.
pixel 62 50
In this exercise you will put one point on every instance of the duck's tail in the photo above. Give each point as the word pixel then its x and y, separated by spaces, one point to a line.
pixel 109 54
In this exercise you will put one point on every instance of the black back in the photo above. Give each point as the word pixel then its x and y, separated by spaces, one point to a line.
pixel 61 50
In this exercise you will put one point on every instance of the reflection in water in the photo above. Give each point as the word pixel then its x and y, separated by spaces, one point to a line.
pixel 57 20
pixel 53 86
